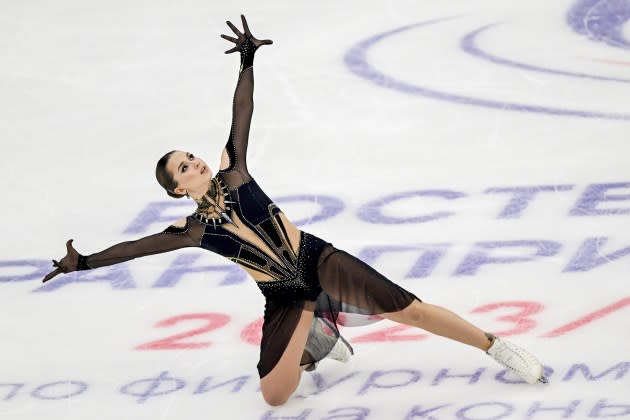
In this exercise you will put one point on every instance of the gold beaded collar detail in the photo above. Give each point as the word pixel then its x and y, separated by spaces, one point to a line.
pixel 209 209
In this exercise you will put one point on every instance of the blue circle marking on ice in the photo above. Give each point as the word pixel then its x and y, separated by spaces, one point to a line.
pixel 469 45
pixel 601 20
pixel 356 60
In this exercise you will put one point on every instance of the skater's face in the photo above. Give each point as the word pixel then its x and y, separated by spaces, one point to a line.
pixel 190 172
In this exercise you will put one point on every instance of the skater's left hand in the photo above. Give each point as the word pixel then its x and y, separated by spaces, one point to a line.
pixel 242 37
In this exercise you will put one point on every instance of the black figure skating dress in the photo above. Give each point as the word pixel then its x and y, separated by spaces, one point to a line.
pixel 294 270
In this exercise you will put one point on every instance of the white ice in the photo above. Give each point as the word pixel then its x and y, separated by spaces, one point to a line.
pixel 93 93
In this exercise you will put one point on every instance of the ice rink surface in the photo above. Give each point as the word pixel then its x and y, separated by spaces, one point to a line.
pixel 475 152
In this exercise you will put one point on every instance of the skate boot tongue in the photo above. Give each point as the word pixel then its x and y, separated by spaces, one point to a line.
pixel 521 362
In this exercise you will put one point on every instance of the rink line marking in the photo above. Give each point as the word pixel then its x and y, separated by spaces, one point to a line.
pixel 587 319
pixel 468 45
pixel 356 61
pixel 617 62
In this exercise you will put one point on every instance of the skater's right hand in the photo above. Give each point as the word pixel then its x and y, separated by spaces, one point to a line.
pixel 243 37
pixel 67 264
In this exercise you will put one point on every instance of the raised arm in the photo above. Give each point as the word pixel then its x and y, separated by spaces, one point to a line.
pixel 234 159
pixel 185 233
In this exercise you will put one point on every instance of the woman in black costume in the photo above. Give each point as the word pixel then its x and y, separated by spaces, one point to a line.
pixel 305 280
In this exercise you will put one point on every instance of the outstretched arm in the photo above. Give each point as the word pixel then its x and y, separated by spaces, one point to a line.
pixel 234 158
pixel 170 239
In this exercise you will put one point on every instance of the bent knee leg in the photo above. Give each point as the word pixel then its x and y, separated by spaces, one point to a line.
pixel 278 385
pixel 275 395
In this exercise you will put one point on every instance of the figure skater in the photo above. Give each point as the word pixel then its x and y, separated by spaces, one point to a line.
pixel 306 281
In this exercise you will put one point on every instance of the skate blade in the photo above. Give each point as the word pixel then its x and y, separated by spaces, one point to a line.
pixel 543 380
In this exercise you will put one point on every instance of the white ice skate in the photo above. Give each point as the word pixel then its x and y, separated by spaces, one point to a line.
pixel 341 350
pixel 521 362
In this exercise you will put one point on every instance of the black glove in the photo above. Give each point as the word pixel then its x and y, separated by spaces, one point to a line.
pixel 246 43
pixel 73 261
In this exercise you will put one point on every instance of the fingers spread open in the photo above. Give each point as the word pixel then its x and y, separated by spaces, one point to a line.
pixel 51 275
pixel 229 38
pixel 245 27
pixel 233 28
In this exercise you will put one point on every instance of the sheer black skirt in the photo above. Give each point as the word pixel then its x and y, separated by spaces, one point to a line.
pixel 329 281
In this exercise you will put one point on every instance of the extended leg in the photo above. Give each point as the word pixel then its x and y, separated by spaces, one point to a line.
pixel 441 321
pixel 349 280
pixel 278 385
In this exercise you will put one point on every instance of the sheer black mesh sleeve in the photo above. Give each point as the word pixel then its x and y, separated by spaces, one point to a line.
pixel 170 239
pixel 236 173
